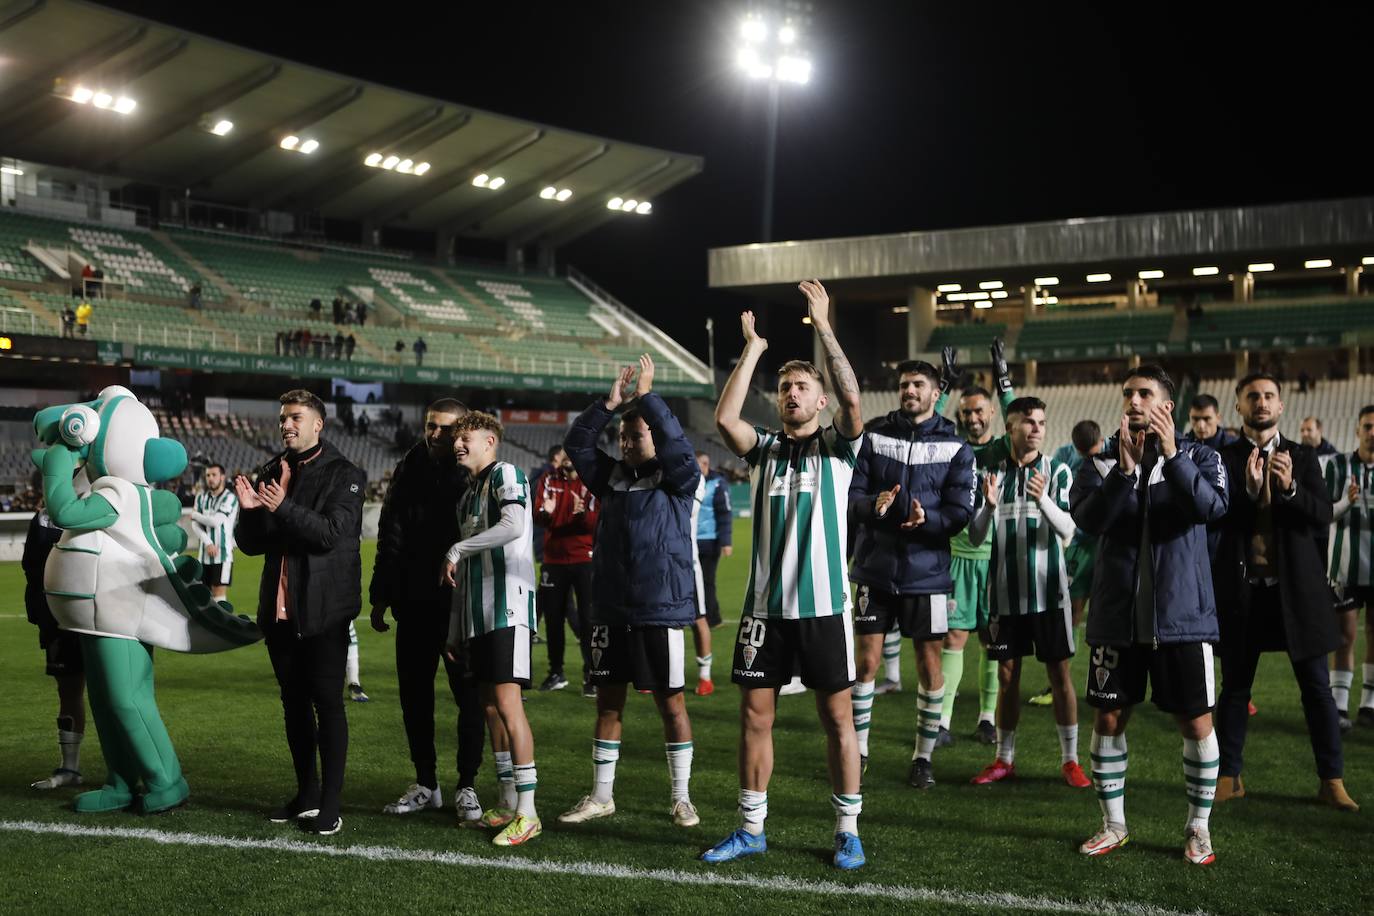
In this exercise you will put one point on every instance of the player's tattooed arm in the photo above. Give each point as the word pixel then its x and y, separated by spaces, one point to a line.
pixel 849 420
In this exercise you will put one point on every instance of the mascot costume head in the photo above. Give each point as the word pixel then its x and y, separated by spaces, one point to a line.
pixel 118 579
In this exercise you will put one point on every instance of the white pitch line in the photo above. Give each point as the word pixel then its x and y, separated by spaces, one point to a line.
pixel 603 870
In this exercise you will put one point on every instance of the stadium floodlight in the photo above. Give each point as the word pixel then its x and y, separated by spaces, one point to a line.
pixel 405 165
pixel 1260 268
pixel 1316 263
pixel 982 305
pixel 976 296
pixel 309 146
pixel 999 294
pixel 1099 278
pixel 1206 271
pixel 1046 281
pixel 629 205
pixel 1050 300
pixel 990 284
pixel 422 168
pixel 787 34
pixel 948 288
pixel 10 170
pixel 373 160
pixel 644 208
pixel 102 100
pixel 390 162
pixel 496 183
pixel 480 181
pixel 563 194
pixel 81 95
pixel 125 105
pixel 1368 260
pixel 753 29
pixel 900 309
pixel 222 127
pixel 614 203
pixel 290 141
pixel 794 70
pixel 548 192
pixel 1151 274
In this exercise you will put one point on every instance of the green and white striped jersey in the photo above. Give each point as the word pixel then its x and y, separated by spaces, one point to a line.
pixel 1028 574
pixel 1351 545
pixel 800 494
pixel 495 586
pixel 214 520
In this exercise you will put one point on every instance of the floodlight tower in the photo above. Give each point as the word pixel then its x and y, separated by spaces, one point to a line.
pixel 772 50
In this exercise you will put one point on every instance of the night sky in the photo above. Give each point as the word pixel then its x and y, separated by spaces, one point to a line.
pixel 919 115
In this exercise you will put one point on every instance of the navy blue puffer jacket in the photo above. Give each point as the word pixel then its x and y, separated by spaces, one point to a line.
pixel 933 465
pixel 642 565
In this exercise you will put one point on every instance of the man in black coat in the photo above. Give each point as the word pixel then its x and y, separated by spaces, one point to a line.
pixel 418 523
pixel 1271 588
pixel 305 518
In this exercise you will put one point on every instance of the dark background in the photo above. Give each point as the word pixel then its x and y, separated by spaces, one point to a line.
pixel 919 115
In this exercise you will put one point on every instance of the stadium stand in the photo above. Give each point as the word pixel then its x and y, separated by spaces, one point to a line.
pixel 1244 327
pixel 1095 334
pixel 964 335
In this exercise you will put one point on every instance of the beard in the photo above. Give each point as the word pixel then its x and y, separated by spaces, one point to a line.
pixel 1261 425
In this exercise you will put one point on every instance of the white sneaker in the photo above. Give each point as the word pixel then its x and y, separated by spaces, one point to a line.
pixel 58 779
pixel 588 809
pixel 1197 846
pixel 469 808
pixel 416 798
pixel 685 813
pixel 793 687
pixel 886 686
pixel 1110 837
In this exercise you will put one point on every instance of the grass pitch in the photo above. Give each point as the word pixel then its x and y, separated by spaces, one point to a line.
pixel 1009 848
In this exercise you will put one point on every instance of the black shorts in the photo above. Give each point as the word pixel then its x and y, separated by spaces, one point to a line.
pixel 651 658
pixel 1352 597
pixel 821 649
pixel 1181 677
pixel 216 574
pixel 63 648
pixel 920 617
pixel 1048 634
pixel 500 657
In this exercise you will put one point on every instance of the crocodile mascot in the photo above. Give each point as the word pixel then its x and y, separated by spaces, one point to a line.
pixel 117 578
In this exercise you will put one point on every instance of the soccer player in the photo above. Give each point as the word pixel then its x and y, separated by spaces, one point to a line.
pixel 1147 497
pixel 212 521
pixel 418 522
pixel 715 539
pixel 1271 587
pixel 352 668
pixel 1350 483
pixel 567 511
pixel 645 587
pixel 797 604
pixel 1026 510
pixel 912 489
pixel 491 569
pixel 1204 424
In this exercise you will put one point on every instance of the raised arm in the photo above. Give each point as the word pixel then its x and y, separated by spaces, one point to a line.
pixel 740 437
pixel 593 465
pixel 849 421
pixel 676 456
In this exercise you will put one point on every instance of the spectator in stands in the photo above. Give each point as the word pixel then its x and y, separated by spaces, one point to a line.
pixel 349 315
pixel 337 306
pixel 68 321
pixel 338 345
pixel 87 274
pixel 350 342
pixel 296 342
pixel 362 314
pixel 1204 420
pixel 83 317
pixel 419 347
pixel 363 423
pixel 97 285
pixel 400 348
pixel 1311 434
pixel 1305 383
pixel 196 296
pixel 320 341
pixel 566 512
pixel 306 339
pixel 417 524
pixel 315 306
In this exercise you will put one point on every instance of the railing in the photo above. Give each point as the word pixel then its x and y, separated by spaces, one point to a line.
pixel 12 319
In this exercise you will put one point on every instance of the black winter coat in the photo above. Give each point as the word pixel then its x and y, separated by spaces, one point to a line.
pixel 43 536
pixel 419 523
pixel 1300 525
pixel 316 532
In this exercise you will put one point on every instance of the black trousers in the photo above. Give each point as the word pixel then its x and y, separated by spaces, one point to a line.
pixel 709 553
pixel 421 631
pixel 1241 646
pixel 310 673
pixel 557 583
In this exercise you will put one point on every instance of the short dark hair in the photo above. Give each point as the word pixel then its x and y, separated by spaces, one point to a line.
pixel 304 398
pixel 555 449
pixel 1368 408
pixel 447 405
pixel 1204 402
pixel 1024 405
pixel 918 367
pixel 701 454
pixel 975 391
pixel 1086 434
pixel 1155 373
pixel 1258 377
pixel 634 414
pixel 215 464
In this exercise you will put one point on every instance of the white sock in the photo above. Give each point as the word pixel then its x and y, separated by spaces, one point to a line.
pixel 69 743
pixel 1068 743
pixel 704 667
pixel 753 810
pixel 1367 694
pixel 892 656
pixel 505 779
pixel 1201 761
pixel 927 721
pixel 352 676
pixel 987 717
pixel 1340 688
pixel 679 768
pixel 1006 745
pixel 861 700
pixel 604 757
pixel 847 809
pixel 1109 776
pixel 526 781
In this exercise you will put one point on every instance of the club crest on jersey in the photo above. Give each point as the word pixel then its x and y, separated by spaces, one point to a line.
pixel 993 627
pixel 1102 674
pixel 750 653
pixel 863 599
pixel 596 658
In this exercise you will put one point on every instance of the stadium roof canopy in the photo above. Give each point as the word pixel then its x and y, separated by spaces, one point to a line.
pixel 1221 240
pixel 183 84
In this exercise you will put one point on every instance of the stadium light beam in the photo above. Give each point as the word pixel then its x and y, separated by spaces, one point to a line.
pixel 563 194
pixel 222 127
pixel 990 284
pixel 644 208
pixel 548 192
pixel 102 100
pixel 290 142
pixel 422 168
pixel 999 294
pixel 309 146
pixel 373 160
pixel 1317 263
pixel 614 203
pixel 81 95
pixel 496 183
pixel 1367 260
pixel 948 288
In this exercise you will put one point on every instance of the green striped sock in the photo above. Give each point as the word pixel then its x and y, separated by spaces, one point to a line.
pixel 1109 776
pixel 679 767
pixel 526 781
pixel 605 754
pixel 928 705
pixel 861 701
pixel 1201 762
